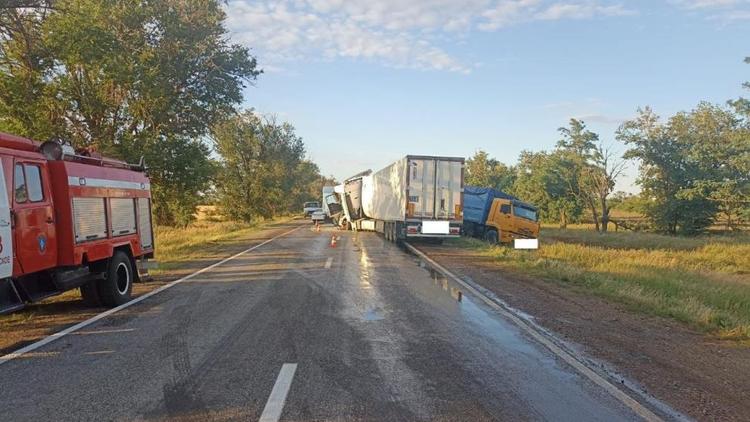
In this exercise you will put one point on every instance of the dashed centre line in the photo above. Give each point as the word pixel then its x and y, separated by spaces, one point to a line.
pixel 275 404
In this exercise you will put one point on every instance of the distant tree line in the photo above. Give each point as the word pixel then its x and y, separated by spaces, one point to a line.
pixel 694 169
pixel 144 78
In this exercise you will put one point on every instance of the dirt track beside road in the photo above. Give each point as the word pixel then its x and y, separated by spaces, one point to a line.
pixel 702 377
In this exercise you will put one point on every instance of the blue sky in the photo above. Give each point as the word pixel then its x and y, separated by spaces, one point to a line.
pixel 365 82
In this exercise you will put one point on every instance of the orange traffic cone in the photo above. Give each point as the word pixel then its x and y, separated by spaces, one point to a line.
pixel 333 241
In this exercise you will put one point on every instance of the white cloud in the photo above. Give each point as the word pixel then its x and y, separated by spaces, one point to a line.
pixel 721 10
pixel 708 4
pixel 398 33
pixel 582 11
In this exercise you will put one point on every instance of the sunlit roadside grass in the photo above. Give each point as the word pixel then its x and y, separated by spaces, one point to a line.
pixel 202 238
pixel 703 281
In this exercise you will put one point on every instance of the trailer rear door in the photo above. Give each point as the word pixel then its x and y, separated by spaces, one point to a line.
pixel 448 193
pixel 435 188
pixel 421 188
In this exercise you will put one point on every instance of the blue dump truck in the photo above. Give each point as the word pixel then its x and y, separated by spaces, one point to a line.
pixel 498 217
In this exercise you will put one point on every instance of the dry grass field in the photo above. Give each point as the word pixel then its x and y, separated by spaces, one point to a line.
pixel 703 281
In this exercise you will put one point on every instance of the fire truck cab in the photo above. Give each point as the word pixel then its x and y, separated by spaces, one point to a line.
pixel 70 220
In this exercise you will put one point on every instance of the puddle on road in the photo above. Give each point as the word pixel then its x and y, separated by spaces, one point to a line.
pixel 472 311
pixel 373 315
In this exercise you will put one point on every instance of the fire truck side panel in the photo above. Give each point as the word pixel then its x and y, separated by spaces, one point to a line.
pixel 79 187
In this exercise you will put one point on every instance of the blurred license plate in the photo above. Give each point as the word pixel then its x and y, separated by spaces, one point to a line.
pixel 435 227
pixel 526 243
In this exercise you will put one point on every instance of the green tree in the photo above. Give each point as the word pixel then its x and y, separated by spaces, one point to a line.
pixel 118 76
pixel 484 171
pixel 691 166
pixel 263 171
pixel 740 204
pixel 309 186
pixel 542 180
pixel 578 150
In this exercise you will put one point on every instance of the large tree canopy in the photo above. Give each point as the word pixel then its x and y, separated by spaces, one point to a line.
pixel 692 166
pixel 128 78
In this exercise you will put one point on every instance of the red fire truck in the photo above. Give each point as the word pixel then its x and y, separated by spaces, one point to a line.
pixel 70 220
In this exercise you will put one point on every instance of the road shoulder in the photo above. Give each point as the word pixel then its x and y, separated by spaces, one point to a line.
pixel 700 376
pixel 39 320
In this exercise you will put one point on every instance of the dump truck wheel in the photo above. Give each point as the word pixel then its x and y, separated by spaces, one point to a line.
pixel 116 289
pixel 491 236
pixel 90 294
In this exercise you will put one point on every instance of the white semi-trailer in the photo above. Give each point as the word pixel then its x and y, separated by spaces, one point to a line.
pixel 415 197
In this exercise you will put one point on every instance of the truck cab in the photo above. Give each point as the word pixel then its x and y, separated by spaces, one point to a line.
pixel 512 219
pixel 308 208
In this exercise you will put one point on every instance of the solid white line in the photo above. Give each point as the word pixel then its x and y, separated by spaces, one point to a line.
pixel 275 404
pixel 83 324
pixel 584 370
pixel 329 261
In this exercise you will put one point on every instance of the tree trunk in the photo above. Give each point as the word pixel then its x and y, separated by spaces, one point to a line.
pixel 563 219
pixel 605 215
pixel 594 215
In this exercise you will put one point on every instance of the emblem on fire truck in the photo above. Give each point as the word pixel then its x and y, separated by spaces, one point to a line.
pixel 42 243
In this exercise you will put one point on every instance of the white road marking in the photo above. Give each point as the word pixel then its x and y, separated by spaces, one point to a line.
pixel 329 261
pixel 122 330
pixel 584 370
pixel 275 404
pixel 100 352
pixel 83 324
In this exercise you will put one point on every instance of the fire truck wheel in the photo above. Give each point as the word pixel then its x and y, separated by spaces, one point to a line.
pixel 116 288
pixel 90 294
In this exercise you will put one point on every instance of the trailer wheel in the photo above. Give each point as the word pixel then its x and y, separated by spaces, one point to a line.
pixel 491 236
pixel 115 290
pixel 90 294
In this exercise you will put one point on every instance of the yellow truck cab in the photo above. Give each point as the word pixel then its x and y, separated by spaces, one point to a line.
pixel 498 217
pixel 512 219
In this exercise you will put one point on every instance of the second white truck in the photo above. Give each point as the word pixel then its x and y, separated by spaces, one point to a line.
pixel 415 197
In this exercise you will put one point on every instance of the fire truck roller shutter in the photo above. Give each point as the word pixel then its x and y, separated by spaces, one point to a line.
pixel 90 219
pixel 123 216
pixel 144 222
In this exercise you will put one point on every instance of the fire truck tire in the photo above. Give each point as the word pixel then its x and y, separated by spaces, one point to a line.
pixel 115 290
pixel 90 294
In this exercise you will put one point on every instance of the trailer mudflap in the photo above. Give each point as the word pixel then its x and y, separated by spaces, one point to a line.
pixel 10 300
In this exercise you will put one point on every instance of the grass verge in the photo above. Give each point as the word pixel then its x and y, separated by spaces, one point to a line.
pixel 176 246
pixel 703 281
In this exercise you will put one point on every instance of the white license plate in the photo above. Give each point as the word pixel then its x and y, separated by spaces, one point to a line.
pixel 435 227
pixel 526 243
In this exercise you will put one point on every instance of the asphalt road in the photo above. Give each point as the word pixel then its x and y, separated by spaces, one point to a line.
pixel 366 333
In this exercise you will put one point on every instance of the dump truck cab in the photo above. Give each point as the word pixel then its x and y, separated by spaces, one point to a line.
pixel 512 219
